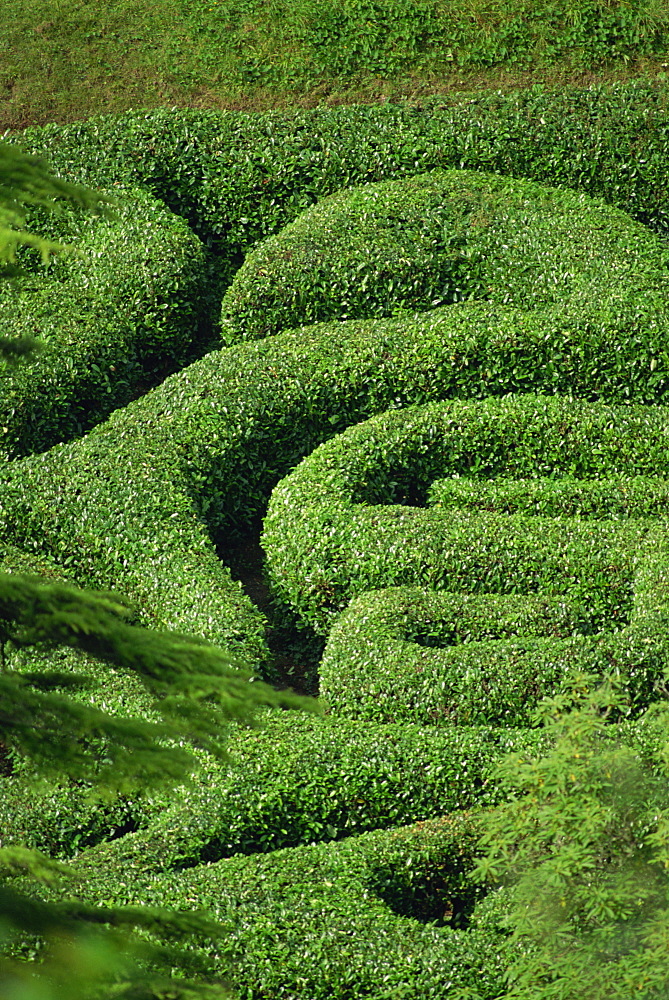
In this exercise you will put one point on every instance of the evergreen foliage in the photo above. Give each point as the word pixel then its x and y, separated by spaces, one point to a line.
pixel 582 844
pixel 197 689
pixel 27 181
pixel 580 841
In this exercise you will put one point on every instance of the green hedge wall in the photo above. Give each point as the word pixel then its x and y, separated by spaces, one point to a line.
pixel 382 910
pixel 300 780
pixel 148 501
pixel 339 527
pixel 144 503
pixel 374 915
pixel 438 238
pixel 237 178
pixel 380 662
pixel 132 304
pixel 626 496
pixel 339 524
pixel 60 819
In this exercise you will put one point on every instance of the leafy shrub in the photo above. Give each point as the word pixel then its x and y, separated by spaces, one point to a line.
pixel 589 806
pixel 333 920
pixel 340 524
pixel 141 503
pixel 129 304
pixel 439 238
pixel 142 500
pixel 452 659
pixel 300 780
pixel 237 178
pixel 636 496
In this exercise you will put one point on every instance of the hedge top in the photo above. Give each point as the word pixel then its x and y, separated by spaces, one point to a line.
pixel 447 236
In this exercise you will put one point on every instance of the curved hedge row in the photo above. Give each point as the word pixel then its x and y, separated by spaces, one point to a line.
pixel 298 780
pixel 438 238
pixel 333 919
pixel 373 915
pixel 625 496
pixel 339 525
pixel 330 537
pixel 376 665
pixel 237 177
pixel 139 503
pixel 143 500
pixel 132 303
pixel 381 914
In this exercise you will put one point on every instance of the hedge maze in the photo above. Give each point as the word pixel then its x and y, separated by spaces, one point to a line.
pixel 442 380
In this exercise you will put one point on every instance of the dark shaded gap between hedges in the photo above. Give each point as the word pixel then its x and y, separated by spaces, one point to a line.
pixel 295 649
pixel 429 900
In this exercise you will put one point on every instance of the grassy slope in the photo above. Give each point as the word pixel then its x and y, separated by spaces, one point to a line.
pixel 74 58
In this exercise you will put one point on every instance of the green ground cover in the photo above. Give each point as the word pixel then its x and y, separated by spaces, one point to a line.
pixel 475 474
pixel 71 62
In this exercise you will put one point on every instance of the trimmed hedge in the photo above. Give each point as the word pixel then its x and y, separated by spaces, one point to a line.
pixel 140 504
pixel 336 919
pixel 438 238
pixel 299 780
pixel 360 777
pixel 444 658
pixel 237 178
pixel 131 305
pixel 371 915
pixel 491 666
pixel 295 781
pixel 627 496
pixel 339 525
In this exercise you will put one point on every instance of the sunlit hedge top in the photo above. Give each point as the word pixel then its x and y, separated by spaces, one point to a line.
pixel 438 238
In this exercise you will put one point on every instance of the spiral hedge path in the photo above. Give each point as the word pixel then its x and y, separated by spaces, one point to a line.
pixel 492 518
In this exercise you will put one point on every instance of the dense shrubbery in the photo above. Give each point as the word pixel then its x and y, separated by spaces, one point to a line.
pixel 335 920
pixel 144 495
pixel 300 780
pixel 551 503
pixel 237 178
pixel 113 317
pixel 436 239
pixel 398 655
pixel 340 524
